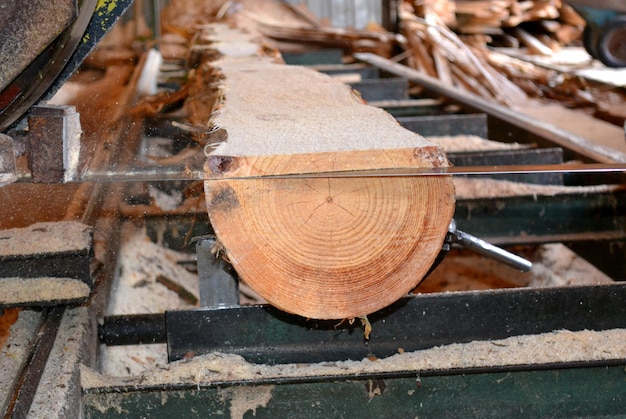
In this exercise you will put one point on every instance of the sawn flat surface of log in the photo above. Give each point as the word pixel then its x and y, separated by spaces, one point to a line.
pixel 321 248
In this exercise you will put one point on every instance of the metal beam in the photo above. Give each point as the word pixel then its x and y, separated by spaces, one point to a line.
pixel 264 334
pixel 578 391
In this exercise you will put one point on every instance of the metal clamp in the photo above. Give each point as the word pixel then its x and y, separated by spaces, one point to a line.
pixel 486 249
pixel 455 236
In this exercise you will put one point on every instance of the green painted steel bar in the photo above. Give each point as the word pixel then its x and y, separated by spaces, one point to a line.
pixel 574 392
pixel 541 219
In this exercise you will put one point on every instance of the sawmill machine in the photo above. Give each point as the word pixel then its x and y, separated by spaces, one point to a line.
pixel 37 61
pixel 43 44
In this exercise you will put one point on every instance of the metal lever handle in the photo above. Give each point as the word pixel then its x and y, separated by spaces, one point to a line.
pixel 489 250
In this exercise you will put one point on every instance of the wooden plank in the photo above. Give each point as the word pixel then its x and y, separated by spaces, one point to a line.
pixel 320 248
pixel 44 264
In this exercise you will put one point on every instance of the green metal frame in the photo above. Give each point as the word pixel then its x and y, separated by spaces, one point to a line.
pixel 576 392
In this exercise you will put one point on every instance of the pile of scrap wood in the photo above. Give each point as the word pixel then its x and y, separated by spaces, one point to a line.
pixel 438 52
pixel 465 62
pixel 552 23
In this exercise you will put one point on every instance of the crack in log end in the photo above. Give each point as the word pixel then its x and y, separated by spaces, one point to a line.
pixel 221 164
pixel 224 199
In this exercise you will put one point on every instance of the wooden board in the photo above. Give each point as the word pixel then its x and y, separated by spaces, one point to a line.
pixel 321 248
pixel 45 263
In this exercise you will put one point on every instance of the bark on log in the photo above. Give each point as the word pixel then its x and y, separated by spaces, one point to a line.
pixel 324 248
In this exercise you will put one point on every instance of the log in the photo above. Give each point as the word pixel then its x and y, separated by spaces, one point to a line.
pixel 322 248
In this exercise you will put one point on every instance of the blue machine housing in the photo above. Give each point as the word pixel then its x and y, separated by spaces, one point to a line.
pixel 605 32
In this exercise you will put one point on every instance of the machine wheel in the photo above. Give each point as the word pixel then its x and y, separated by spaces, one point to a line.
pixel 612 43
pixel 590 41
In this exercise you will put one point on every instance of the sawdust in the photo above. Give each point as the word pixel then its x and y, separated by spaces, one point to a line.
pixel 139 288
pixel 136 289
pixel 562 267
pixel 131 360
pixel 467 188
pixel 547 348
pixel 15 291
pixel 459 143
pixel 246 399
pixel 554 265
pixel 58 393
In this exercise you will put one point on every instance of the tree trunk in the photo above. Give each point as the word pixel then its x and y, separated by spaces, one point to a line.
pixel 323 248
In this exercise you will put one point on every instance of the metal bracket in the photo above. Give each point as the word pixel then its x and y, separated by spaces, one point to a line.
pixel 487 249
pixel 480 246
pixel 54 137
pixel 219 286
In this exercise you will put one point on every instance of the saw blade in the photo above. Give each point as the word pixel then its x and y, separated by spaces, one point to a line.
pixel 159 174
pixel 32 83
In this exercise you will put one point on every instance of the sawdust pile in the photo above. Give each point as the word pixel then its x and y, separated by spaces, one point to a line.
pixel 150 279
pixel 555 347
pixel 492 188
pixel 554 265
pixel 140 288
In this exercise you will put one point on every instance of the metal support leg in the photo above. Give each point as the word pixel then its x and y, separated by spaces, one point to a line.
pixel 218 283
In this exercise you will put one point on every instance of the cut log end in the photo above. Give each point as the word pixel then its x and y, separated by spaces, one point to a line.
pixel 333 248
